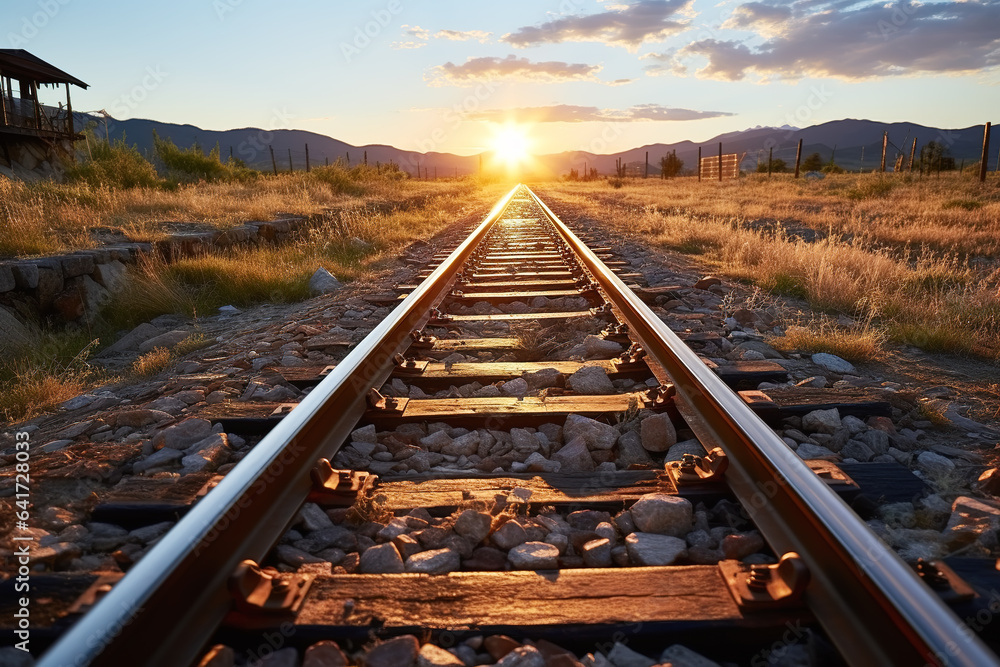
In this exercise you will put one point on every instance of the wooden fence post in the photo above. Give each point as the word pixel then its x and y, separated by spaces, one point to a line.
pixel 798 158
pixel 770 160
pixel 308 169
pixel 290 167
pixel 986 154
pixel 913 151
pixel 646 175
pixel 885 143
pixel 720 160
pixel 699 164
pixel 366 158
pixel 274 163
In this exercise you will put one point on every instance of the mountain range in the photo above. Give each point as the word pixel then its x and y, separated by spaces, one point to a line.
pixel 853 144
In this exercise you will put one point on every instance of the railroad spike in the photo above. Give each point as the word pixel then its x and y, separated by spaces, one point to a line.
pixel 436 316
pixel 257 593
pixel 767 587
pixel 333 487
pixel 631 359
pixel 658 396
pixel 421 341
pixel 699 469
pixel 377 401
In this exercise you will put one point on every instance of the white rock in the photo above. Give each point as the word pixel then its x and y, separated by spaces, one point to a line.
pixel 857 450
pixel 435 656
pixel 167 341
pixel 854 425
pixel 601 348
pixel 658 433
pixel 381 559
pixel 81 401
pixel 364 434
pixel 822 421
pixel 833 363
pixel 653 549
pixel 183 435
pixel 534 556
pixel 575 457
pixel 522 656
pixel 595 434
pixel 464 445
pixel 538 463
pixel 663 513
pixel 807 451
pixel 590 380
pixel 473 525
pixel 437 561
pixel 516 387
pixel 524 440
pixel 312 517
pixel 597 553
pixel 162 458
pixel 396 527
pixel 935 464
pixel 323 282
pixel 364 448
pixel 510 535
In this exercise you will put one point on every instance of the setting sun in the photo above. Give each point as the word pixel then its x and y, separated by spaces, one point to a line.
pixel 512 146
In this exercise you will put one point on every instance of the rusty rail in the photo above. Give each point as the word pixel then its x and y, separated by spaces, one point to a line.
pixel 873 606
pixel 172 601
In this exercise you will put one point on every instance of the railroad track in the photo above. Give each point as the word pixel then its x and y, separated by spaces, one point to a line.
pixel 502 507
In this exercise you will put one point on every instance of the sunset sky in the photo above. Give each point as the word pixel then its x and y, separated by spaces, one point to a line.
pixel 572 75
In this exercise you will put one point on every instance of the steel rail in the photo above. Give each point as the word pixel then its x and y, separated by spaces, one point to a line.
pixel 872 605
pixel 167 606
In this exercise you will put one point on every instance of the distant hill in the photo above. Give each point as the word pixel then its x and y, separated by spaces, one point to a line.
pixel 857 144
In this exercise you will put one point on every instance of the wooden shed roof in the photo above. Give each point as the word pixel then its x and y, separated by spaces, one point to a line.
pixel 19 63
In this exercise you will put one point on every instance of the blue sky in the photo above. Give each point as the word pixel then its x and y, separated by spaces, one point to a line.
pixel 574 74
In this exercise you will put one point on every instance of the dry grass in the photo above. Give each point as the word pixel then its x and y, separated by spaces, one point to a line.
pixel 932 296
pixel 36 380
pixel 953 213
pixel 857 345
pixel 44 217
pixel 350 245
pixel 151 363
pixel 34 391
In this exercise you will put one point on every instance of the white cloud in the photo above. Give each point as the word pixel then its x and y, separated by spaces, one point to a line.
pixel 567 113
pixel 511 68
pixel 629 25
pixel 464 35
pixel 840 38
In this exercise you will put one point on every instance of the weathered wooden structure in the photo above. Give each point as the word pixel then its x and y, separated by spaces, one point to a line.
pixel 32 132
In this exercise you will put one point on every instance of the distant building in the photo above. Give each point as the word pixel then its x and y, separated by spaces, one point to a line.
pixel 34 137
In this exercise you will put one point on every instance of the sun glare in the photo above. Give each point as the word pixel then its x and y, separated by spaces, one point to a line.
pixel 512 146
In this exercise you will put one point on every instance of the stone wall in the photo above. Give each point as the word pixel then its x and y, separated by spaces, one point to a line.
pixel 33 159
pixel 72 287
